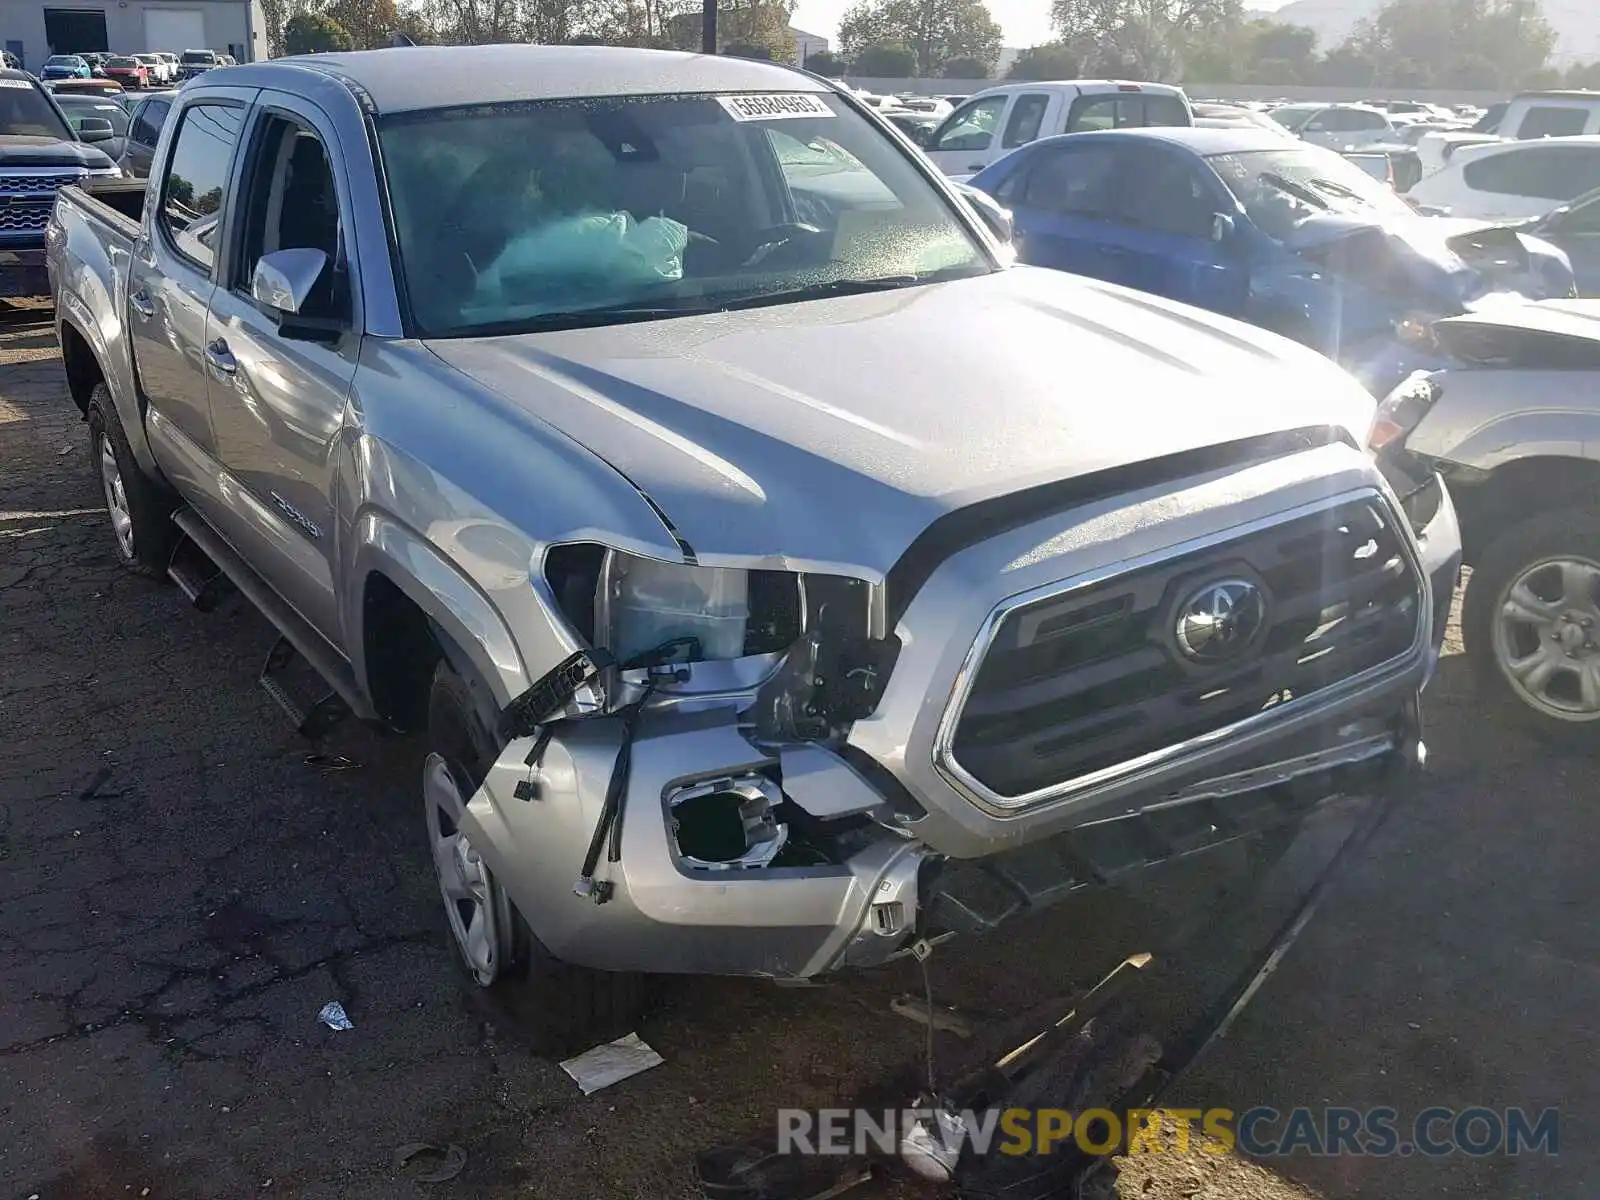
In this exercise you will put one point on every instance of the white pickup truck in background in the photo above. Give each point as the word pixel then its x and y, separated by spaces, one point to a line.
pixel 992 123
pixel 1529 115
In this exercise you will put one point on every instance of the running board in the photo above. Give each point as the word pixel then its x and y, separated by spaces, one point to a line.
pixel 197 576
pixel 297 638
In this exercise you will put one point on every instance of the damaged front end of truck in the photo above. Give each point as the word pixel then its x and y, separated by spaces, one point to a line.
pixel 785 772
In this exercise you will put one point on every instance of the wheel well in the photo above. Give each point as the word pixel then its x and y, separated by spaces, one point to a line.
pixel 401 651
pixel 83 368
pixel 1519 489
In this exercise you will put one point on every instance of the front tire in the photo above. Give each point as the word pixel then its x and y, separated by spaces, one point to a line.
pixel 140 510
pixel 557 1006
pixel 1531 623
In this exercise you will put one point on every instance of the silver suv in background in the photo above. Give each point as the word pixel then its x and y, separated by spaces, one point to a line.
pixel 761 566
pixel 1514 426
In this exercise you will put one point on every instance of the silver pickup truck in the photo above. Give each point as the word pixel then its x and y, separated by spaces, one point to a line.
pixel 771 576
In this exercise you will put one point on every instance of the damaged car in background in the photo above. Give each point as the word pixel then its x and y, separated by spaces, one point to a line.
pixel 1293 238
pixel 1513 423
pixel 772 577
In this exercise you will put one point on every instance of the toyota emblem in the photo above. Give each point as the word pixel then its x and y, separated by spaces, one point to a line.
pixel 1219 622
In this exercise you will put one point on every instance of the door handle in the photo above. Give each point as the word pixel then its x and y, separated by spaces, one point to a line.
pixel 975 166
pixel 220 357
pixel 140 302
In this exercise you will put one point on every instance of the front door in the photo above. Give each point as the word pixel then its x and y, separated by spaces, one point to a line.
pixel 1577 232
pixel 277 402
pixel 969 139
pixel 172 277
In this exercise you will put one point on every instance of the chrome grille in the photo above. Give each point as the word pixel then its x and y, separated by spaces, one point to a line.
pixel 26 197
pixel 1074 685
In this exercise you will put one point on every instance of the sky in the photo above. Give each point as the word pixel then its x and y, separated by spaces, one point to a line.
pixel 1025 22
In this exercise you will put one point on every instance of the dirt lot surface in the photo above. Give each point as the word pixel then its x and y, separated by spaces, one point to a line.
pixel 181 892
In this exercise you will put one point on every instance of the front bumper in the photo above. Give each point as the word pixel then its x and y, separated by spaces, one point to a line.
pixel 893 851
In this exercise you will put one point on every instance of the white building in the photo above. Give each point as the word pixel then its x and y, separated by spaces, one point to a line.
pixel 807 44
pixel 34 31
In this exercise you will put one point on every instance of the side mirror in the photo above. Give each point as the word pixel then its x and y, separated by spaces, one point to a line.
pixel 282 284
pixel 96 129
pixel 994 215
pixel 1222 228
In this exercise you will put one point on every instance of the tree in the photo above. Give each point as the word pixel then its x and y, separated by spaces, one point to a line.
pixel 1053 60
pixel 1473 72
pixel 933 30
pixel 748 50
pixel 883 62
pixel 756 25
pixel 313 33
pixel 1147 39
pixel 965 67
pixel 826 62
pixel 1348 66
pixel 368 22
pixel 1417 39
pixel 1583 75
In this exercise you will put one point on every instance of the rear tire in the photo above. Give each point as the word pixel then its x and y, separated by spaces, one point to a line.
pixel 140 509
pixel 558 1007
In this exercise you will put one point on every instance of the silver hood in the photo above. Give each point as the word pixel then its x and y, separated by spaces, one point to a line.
pixel 829 434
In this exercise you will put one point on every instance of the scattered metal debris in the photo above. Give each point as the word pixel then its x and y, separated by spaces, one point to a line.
pixel 331 763
pixel 333 1016
pixel 915 1009
pixel 451 1160
pixel 611 1063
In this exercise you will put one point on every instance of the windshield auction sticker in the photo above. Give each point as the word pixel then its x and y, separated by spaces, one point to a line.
pixel 16 83
pixel 774 107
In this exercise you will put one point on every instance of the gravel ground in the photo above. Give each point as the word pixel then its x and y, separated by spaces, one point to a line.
pixel 181 891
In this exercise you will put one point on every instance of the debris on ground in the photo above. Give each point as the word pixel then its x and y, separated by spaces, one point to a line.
pixel 333 1016
pixel 756 1169
pixel 611 1063
pixel 449 1161
pixel 331 762
pixel 914 1008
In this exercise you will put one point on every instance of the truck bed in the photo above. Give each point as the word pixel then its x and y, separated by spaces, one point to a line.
pixel 117 202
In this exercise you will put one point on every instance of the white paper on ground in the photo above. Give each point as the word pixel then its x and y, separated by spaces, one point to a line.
pixel 611 1063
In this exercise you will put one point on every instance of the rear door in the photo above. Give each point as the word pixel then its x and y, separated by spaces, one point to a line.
pixel 1063 200
pixel 173 273
pixel 969 139
pixel 277 402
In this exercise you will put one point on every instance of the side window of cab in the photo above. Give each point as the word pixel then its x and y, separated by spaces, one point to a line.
pixel 972 126
pixel 194 188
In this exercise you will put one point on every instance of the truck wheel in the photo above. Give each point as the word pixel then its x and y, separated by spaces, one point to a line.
pixel 141 512
pixel 1531 622
pixel 558 1007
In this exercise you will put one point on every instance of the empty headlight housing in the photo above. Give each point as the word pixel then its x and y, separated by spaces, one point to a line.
pixel 647 611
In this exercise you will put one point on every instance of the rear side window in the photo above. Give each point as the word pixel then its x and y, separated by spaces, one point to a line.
pixel 1544 172
pixel 1078 182
pixel 1125 111
pixel 1357 120
pixel 194 190
pixel 1026 116
pixel 1552 121
pixel 1164 193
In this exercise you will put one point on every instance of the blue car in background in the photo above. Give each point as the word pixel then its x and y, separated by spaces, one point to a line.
pixel 66 66
pixel 1291 237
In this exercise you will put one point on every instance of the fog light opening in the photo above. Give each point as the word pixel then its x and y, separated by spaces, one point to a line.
pixel 728 824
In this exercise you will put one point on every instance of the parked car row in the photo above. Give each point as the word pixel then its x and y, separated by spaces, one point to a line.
pixel 161 68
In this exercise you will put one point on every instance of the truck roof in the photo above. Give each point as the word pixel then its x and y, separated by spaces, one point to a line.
pixel 407 78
